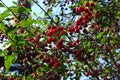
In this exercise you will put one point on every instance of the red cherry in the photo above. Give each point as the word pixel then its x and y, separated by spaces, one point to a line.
pixel 49 39
pixel 74 51
pixel 97 27
pixel 89 14
pixel 73 44
pixel 60 28
pixel 78 22
pixel 96 15
pixel 96 72
pixel 91 9
pixel 85 17
pixel 16 21
pixel 30 39
pixel 85 31
pixel 57 64
pixel 86 10
pixel 53 60
pixel 21 30
pixel 91 26
pixel 87 4
pixel 44 59
pixel 59 45
pixel 87 74
pixel 11 78
pixel 101 46
pixel 92 4
pixel 35 31
pixel 63 32
pixel 79 9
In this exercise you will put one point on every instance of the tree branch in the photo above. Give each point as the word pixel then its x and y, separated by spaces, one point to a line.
pixel 44 11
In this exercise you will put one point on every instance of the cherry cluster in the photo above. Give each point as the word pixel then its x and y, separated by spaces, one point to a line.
pixel 87 15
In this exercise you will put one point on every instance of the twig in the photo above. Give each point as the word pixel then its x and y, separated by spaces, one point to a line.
pixel 44 11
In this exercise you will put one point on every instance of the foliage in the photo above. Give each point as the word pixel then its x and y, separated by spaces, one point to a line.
pixel 83 37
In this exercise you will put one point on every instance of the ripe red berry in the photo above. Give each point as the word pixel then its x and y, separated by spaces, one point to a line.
pixel 59 45
pixel 91 9
pixel 53 60
pixel 73 44
pixel 91 26
pixel 21 30
pixel 101 46
pixel 49 39
pixel 96 15
pixel 30 39
pixel 11 78
pixel 79 9
pixel 63 32
pixel 92 4
pixel 97 27
pixel 87 74
pixel 86 4
pixel 57 64
pixel 16 21
pixel 86 10
pixel 35 31
pixel 85 31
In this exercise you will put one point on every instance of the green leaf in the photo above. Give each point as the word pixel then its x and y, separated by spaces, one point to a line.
pixel 25 23
pixel 22 9
pixel 2 27
pixel 8 62
pixel 21 42
pixel 1 5
pixel 46 22
pixel 4 15
pixel 103 40
pixel 14 2
pixel 10 31
pixel 100 35
pixel 56 19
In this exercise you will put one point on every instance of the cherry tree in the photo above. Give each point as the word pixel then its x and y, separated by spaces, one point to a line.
pixel 74 37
